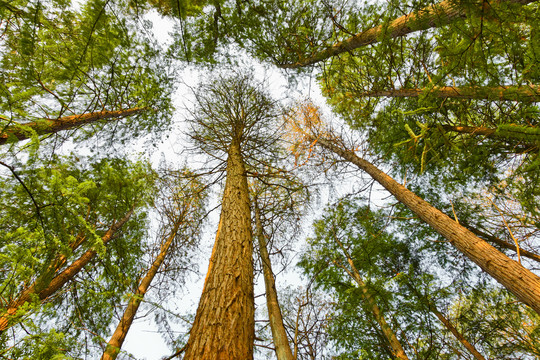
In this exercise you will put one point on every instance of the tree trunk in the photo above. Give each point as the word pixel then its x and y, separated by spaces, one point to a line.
pixel 224 326
pixel 117 339
pixel 42 290
pixel 456 333
pixel 395 345
pixel 519 133
pixel 520 281
pixel 432 16
pixel 526 93
pixel 279 335
pixel 447 323
pixel 50 126
pixel 504 244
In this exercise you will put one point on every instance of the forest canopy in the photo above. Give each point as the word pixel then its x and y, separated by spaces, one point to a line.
pixel 385 203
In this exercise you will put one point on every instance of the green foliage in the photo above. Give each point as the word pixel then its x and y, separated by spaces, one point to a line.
pixel 61 60
pixel 68 204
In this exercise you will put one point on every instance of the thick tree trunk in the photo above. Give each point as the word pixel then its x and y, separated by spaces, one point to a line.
pixel 395 345
pixel 279 335
pixel 50 126
pixel 432 16
pixel 224 326
pixel 520 281
pixel 117 339
pixel 526 93
pixel 42 291
pixel 503 243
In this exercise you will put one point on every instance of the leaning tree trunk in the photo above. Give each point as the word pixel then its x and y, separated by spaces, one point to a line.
pixel 279 335
pixel 117 339
pixel 224 326
pixel 51 126
pixel 42 290
pixel 447 323
pixel 502 243
pixel 429 17
pixel 520 281
pixel 390 336
pixel 525 93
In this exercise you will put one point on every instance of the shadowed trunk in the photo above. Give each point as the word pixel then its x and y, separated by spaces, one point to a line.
pixel 526 93
pixel 279 335
pixel 520 281
pixel 224 326
pixel 42 290
pixel 429 17
pixel 51 126
pixel 117 339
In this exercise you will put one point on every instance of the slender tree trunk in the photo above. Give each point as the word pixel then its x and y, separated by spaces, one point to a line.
pixel 395 345
pixel 526 93
pixel 520 281
pixel 502 243
pixel 42 291
pixel 117 339
pixel 519 133
pixel 224 326
pixel 456 333
pixel 279 335
pixel 432 16
pixel 50 126
pixel 447 323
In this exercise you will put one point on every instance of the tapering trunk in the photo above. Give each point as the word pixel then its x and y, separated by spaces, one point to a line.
pixel 447 323
pixel 50 126
pixel 224 326
pixel 526 93
pixel 456 333
pixel 117 339
pixel 503 243
pixel 279 335
pixel 395 345
pixel 520 281
pixel 432 16
pixel 42 290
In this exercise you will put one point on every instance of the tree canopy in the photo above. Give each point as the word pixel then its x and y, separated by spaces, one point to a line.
pixel 383 204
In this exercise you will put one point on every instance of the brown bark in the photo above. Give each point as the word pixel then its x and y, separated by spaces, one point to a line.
pixel 520 281
pixel 432 16
pixel 448 324
pixel 504 244
pixel 279 335
pixel 526 93
pixel 456 333
pixel 42 291
pixel 224 326
pixel 395 345
pixel 117 339
pixel 50 126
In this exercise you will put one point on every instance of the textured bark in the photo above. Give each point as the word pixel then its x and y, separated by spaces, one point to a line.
pixel 504 244
pixel 117 339
pixel 224 326
pixel 526 93
pixel 42 291
pixel 395 345
pixel 50 126
pixel 279 335
pixel 432 16
pixel 520 281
